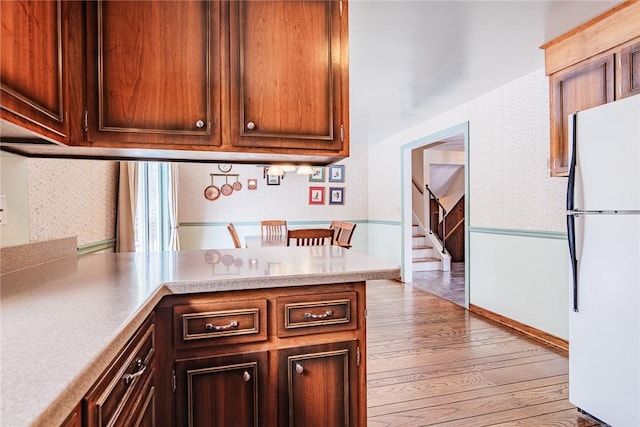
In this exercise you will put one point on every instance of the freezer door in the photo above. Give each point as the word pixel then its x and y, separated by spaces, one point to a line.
pixel 607 171
pixel 604 334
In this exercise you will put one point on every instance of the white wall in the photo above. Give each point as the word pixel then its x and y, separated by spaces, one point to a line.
pixel 14 186
pixel 524 278
pixel 203 222
pixel 450 196
pixel 510 189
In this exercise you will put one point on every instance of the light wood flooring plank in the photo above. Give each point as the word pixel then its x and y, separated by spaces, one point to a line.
pixel 431 362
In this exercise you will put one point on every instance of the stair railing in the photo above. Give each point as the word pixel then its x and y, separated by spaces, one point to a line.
pixel 443 239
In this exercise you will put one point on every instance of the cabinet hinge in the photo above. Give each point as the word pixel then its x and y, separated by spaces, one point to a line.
pixel 86 121
pixel 341 133
pixel 173 380
pixel 340 8
pixel 358 356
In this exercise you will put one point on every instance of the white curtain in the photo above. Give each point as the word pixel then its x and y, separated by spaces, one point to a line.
pixel 172 202
pixel 126 213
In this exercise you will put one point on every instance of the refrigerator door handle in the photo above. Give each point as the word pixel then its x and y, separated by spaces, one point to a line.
pixel 571 232
pixel 571 183
pixel 571 228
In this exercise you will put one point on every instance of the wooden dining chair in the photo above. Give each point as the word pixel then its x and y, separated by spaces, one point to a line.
pixel 335 226
pixel 345 234
pixel 273 228
pixel 310 236
pixel 234 235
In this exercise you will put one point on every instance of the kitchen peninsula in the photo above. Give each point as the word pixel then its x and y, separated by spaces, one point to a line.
pixel 65 324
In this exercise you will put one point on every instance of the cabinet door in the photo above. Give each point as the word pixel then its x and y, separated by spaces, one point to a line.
pixel 584 85
pixel 32 65
pixel 124 393
pixel 289 74
pixel 152 73
pixel 630 70
pixel 317 385
pixel 143 413
pixel 222 391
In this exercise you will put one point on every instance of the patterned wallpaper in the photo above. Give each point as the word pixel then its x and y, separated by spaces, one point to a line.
pixel 72 198
pixel 289 200
pixel 510 187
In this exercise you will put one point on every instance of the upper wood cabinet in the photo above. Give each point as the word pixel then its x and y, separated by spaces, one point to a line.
pixel 630 69
pixel 591 65
pixel 153 73
pixel 32 66
pixel 581 86
pixel 230 81
pixel 289 78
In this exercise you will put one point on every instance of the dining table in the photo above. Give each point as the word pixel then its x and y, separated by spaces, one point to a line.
pixel 264 241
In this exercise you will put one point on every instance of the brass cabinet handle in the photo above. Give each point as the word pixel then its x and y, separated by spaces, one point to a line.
pixel 246 376
pixel 141 368
pixel 299 368
pixel 324 315
pixel 212 327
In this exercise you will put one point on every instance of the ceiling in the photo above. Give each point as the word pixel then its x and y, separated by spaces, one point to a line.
pixel 411 60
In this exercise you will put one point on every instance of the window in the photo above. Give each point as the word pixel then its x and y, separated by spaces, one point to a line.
pixel 151 224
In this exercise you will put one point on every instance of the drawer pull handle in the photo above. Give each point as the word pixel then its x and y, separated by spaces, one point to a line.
pixel 212 327
pixel 324 315
pixel 141 368
pixel 246 376
pixel 299 368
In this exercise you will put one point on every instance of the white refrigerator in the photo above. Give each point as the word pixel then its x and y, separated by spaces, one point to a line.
pixel 603 221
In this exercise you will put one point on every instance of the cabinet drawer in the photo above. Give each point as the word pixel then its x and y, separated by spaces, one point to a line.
pixel 111 399
pixel 317 313
pixel 223 323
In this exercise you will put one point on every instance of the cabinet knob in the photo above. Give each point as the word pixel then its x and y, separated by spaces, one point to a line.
pixel 251 126
pixel 246 376
pixel 299 368
pixel 200 124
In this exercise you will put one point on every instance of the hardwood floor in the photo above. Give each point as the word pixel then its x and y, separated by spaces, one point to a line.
pixel 431 362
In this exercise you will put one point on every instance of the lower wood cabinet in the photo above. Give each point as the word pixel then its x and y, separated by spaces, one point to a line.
pixel 317 385
pixel 276 357
pixel 74 419
pixel 126 394
pixel 222 391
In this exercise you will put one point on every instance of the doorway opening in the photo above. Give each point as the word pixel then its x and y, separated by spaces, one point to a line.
pixel 435 214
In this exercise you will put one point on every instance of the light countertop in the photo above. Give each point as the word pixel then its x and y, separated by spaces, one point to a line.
pixel 63 322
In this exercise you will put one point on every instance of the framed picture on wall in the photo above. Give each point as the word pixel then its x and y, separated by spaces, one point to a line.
pixel 336 196
pixel 316 195
pixel 336 173
pixel 273 179
pixel 317 175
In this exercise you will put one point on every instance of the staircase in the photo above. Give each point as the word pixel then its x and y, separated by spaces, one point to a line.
pixel 422 254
